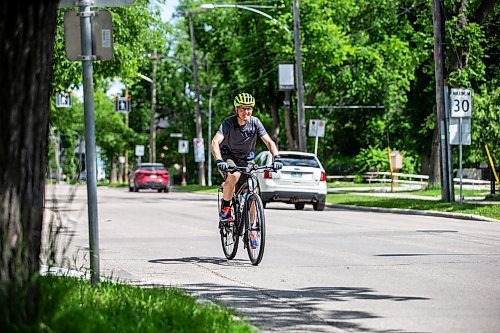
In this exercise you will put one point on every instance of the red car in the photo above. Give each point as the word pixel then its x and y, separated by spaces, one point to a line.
pixel 149 176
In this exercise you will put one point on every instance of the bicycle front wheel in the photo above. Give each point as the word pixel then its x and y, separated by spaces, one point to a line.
pixel 255 236
pixel 229 235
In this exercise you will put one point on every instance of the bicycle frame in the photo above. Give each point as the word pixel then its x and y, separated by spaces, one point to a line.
pixel 249 220
pixel 251 182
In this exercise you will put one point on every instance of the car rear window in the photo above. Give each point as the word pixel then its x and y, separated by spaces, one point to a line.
pixel 297 160
pixel 152 168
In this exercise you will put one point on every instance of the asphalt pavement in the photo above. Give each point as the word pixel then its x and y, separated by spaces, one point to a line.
pixel 336 270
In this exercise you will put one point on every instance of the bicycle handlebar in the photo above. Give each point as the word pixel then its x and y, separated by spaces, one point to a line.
pixel 250 169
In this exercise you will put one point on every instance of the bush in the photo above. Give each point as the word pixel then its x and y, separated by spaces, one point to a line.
pixel 340 165
pixel 370 159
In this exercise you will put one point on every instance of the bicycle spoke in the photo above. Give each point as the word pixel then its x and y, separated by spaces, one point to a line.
pixel 255 237
pixel 229 236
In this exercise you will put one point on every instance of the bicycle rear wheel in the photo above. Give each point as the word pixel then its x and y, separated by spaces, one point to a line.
pixel 255 231
pixel 229 234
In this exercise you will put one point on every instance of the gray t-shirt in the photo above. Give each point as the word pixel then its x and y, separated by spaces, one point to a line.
pixel 239 141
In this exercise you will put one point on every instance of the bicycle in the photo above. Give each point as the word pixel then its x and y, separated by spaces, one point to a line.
pixel 248 217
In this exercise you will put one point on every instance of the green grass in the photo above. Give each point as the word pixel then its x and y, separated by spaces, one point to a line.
pixel 492 211
pixel 338 184
pixel 436 192
pixel 196 188
pixel 74 305
pixel 495 197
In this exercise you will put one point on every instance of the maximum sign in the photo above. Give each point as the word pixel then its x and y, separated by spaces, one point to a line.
pixel 460 103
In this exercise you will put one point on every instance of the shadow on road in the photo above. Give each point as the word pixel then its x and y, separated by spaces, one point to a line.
pixel 203 260
pixel 313 309
pixel 298 310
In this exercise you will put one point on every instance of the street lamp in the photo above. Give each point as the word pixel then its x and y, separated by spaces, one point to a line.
pixel 298 60
pixel 209 166
pixel 252 9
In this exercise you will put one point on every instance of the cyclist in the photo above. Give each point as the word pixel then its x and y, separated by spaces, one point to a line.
pixel 234 145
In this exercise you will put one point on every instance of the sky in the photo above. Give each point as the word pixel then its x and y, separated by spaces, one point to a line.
pixel 168 8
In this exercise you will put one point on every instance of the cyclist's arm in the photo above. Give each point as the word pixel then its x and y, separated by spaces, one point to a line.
pixel 271 146
pixel 215 145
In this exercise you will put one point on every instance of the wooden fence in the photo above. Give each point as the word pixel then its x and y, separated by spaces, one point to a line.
pixel 407 179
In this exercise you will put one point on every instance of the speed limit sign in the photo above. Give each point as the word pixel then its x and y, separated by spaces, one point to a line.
pixel 460 103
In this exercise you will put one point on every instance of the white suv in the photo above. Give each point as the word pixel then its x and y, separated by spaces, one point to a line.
pixel 302 180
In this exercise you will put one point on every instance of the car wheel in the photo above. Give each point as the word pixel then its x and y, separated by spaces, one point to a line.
pixel 320 205
pixel 167 189
pixel 299 205
pixel 159 190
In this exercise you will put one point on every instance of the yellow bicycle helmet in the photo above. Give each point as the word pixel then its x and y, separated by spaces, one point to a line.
pixel 244 99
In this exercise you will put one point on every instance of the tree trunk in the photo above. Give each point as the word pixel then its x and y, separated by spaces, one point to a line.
pixel 483 10
pixel 425 163
pixel 317 88
pixel 112 176
pixel 275 123
pixel 27 35
pixel 57 153
pixel 461 55
pixel 289 123
pixel 434 169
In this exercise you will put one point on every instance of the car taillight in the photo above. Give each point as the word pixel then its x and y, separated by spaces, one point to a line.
pixel 323 177
pixel 268 175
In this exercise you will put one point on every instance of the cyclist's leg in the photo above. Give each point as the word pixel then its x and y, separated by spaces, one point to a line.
pixel 229 185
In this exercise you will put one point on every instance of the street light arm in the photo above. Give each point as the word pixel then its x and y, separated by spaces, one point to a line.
pixel 144 77
pixel 180 64
pixel 211 6
pixel 162 57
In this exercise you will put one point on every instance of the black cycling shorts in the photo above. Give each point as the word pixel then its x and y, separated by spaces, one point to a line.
pixel 232 162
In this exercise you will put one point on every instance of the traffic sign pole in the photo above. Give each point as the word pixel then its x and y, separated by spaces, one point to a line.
pixel 316 145
pixel 316 129
pixel 88 108
pixel 90 150
pixel 461 104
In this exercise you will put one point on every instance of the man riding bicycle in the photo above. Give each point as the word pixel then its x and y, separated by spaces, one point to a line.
pixel 234 145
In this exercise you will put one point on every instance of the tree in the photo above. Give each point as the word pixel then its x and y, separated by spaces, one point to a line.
pixel 27 34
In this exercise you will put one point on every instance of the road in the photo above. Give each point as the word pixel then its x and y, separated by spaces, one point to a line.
pixel 330 271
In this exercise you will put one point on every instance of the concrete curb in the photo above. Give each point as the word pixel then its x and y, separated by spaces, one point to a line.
pixel 470 217
pixel 66 272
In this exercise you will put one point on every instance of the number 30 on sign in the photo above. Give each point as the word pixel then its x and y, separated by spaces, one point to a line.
pixel 461 103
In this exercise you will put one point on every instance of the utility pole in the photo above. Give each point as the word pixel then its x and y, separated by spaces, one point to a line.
pixel 197 113
pixel 301 117
pixel 438 22
pixel 152 122
pixel 125 172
